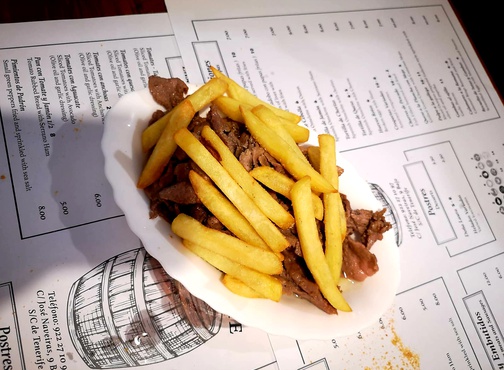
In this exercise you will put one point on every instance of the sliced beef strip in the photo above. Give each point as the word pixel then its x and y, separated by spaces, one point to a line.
pixel 290 288
pixel 196 125
pixel 246 159
pixel 297 272
pixel 251 155
pixel 156 115
pixel 360 219
pixel 249 152
pixel 167 92
pixel 364 227
pixel 227 129
pixel 272 162
pixel 214 223
pixel 378 225
pixel 245 140
pixel 291 236
pixel 199 212
pixel 350 224
pixel 369 226
pixel 181 171
pixel 358 262
pixel 180 192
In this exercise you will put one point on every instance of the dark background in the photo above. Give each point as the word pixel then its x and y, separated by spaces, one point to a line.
pixel 479 18
pixel 483 24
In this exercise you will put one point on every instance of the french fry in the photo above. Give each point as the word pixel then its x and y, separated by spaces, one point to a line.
pixel 314 158
pixel 343 225
pixel 266 203
pixel 327 153
pixel 151 134
pixel 332 219
pixel 207 93
pixel 180 117
pixel 299 133
pixel 202 157
pixel 282 184
pixel 332 230
pixel 225 211
pixel 282 152
pixel 266 285
pixel 239 287
pixel 231 108
pixel 241 94
pixel 311 245
pixel 269 118
pixel 226 245
pixel 199 99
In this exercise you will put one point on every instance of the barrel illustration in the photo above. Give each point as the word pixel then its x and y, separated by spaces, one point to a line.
pixel 391 214
pixel 128 311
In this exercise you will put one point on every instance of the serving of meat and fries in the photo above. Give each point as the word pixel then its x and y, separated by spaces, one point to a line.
pixel 236 179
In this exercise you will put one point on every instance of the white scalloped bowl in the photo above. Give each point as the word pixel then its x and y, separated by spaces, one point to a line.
pixel 291 317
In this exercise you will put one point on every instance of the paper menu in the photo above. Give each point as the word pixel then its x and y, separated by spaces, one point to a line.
pixel 413 85
pixel 77 289
pixel 412 107
pixel 58 95
pixel 451 283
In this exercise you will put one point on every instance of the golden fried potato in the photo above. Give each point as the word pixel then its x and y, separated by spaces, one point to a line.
pixel 332 217
pixel 299 133
pixel 199 100
pixel 180 117
pixel 282 152
pixel 311 245
pixel 239 287
pixel 271 120
pixel 226 245
pixel 202 157
pixel 282 184
pixel 225 211
pixel 266 203
pixel 266 285
pixel 241 94
pixel 314 156
pixel 231 108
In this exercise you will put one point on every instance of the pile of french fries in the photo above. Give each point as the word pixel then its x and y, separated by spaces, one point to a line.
pixel 251 257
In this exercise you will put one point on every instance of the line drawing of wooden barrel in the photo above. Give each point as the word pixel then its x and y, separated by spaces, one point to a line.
pixel 128 311
pixel 391 213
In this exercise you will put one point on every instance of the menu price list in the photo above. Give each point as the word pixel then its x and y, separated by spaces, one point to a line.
pixel 414 87
pixel 54 99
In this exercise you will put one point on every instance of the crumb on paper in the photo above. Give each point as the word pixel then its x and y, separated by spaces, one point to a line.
pixel 412 358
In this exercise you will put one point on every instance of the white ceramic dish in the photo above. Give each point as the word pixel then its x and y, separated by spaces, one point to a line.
pixel 291 317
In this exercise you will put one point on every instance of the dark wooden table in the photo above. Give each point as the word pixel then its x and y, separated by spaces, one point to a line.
pixel 480 19
pixel 19 11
